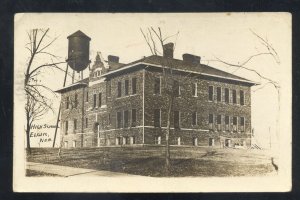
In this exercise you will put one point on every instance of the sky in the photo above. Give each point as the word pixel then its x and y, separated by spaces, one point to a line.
pixel 227 36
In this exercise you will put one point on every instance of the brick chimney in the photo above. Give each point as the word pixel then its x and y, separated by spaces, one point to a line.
pixel 191 58
pixel 112 58
pixel 168 50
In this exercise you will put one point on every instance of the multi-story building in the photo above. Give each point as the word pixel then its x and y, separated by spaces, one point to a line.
pixel 124 104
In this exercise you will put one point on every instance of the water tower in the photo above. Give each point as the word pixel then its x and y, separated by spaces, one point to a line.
pixel 78 51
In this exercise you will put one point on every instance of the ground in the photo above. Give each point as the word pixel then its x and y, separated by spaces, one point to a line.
pixel 149 161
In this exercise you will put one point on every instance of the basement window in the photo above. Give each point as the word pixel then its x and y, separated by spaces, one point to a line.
pixel 210 121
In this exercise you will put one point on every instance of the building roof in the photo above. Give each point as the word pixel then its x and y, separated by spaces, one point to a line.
pixel 180 65
pixel 78 33
pixel 79 84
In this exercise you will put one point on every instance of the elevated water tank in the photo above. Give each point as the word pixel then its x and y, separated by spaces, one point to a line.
pixel 78 51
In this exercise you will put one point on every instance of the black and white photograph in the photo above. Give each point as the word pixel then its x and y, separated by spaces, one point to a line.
pixel 152 102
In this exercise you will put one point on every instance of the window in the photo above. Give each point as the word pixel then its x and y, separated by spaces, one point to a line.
pixel 119 89
pixel 227 123
pixel 242 97
pixel 100 100
pixel 156 118
pixel 176 88
pixel 234 96
pixel 94 100
pixel 126 119
pixel 109 119
pixel 75 124
pixel 242 124
pixel 226 95
pixel 211 121
pixel 76 101
pixel 210 93
pixel 157 85
pixel 194 89
pixel 119 119
pixel 219 122
pixel 74 144
pixel 211 142
pixel 195 141
pixel 86 122
pixel 176 119
pixel 194 118
pixel 133 117
pixel 126 87
pixel 178 140
pixel 218 94
pixel 133 86
pixel 131 140
pixel 66 127
pixel 67 102
pixel 234 120
pixel 87 97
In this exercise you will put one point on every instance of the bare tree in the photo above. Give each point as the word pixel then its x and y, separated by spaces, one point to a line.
pixel 38 101
pixel 267 50
pixel 170 82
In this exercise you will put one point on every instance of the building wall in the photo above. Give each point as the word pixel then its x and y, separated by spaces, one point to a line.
pixel 106 115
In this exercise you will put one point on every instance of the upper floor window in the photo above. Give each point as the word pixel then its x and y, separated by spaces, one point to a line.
pixel 87 97
pixel 156 118
pixel 75 124
pixel 211 121
pixel 86 122
pixel 133 85
pixel 219 121
pixel 176 119
pixel 194 118
pixel 67 102
pixel 66 127
pixel 242 102
pixel 119 89
pixel 176 88
pixel 119 120
pixel 126 87
pixel 234 120
pixel 219 94
pixel 133 117
pixel 210 93
pixel 194 89
pixel 100 100
pixel 234 96
pixel 109 119
pixel 126 119
pixel 242 123
pixel 76 101
pixel 226 95
pixel 94 100
pixel 226 123
pixel 157 85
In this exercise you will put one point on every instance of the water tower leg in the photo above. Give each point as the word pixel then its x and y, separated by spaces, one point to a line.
pixel 57 121
pixel 73 76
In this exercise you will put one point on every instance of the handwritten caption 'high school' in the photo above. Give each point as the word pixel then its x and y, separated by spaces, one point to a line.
pixel 40 131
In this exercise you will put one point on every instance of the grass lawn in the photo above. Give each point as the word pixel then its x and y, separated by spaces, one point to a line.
pixel 149 161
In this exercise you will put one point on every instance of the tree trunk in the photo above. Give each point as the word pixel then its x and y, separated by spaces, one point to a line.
pixel 167 166
pixel 28 138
